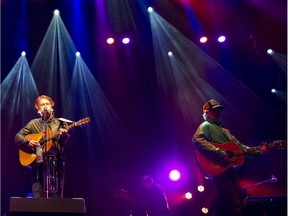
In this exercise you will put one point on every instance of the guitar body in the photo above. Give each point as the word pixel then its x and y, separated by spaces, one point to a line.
pixel 213 166
pixel 27 157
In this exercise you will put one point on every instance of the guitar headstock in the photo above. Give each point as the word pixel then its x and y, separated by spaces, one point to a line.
pixel 280 144
pixel 82 121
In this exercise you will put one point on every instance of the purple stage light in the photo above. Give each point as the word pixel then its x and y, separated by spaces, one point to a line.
pixel 174 175
pixel 125 40
pixel 221 39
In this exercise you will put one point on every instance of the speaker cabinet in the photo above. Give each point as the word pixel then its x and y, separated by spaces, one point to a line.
pixel 44 207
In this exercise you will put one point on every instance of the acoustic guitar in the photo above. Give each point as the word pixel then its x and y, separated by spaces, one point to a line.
pixel 28 156
pixel 211 166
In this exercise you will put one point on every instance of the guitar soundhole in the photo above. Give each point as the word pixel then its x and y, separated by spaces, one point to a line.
pixel 230 154
pixel 41 141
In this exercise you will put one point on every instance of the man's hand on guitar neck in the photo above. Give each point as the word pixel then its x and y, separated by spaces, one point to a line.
pixel 263 148
pixel 64 133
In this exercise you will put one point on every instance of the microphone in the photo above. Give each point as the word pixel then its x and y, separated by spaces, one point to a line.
pixel 45 110
pixel 273 179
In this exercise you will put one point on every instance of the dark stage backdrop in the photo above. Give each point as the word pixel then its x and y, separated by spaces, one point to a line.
pixel 151 134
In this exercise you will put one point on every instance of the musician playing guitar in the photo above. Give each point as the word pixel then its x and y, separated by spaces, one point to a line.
pixel 31 142
pixel 214 153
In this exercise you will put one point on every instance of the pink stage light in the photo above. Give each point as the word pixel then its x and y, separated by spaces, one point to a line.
pixel 200 188
pixel 110 40
pixel 203 39
pixel 188 195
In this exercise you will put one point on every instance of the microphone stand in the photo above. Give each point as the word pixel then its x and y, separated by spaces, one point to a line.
pixel 45 153
pixel 271 180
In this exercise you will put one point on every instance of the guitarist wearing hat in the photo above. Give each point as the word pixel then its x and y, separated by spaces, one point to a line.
pixel 44 155
pixel 215 147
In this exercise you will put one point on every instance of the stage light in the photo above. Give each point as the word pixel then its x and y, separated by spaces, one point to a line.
pixel 110 40
pixel 280 94
pixel 23 53
pixel 188 195
pixel 56 12
pixel 150 9
pixel 205 210
pixel 77 54
pixel 170 53
pixel 125 40
pixel 270 52
pixel 200 188
pixel 174 175
pixel 221 39
pixel 203 39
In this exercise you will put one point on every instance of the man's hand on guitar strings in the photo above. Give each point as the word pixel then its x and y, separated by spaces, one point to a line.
pixel 226 158
pixel 33 144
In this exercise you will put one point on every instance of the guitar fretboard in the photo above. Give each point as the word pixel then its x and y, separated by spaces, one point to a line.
pixel 78 123
pixel 255 148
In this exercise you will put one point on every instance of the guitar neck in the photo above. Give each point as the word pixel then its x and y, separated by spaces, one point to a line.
pixel 78 123
pixel 71 126
pixel 252 149
pixel 58 133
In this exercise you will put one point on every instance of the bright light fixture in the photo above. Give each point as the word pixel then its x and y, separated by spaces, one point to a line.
pixel 110 40
pixel 200 188
pixel 204 210
pixel 203 39
pixel 56 12
pixel 174 175
pixel 125 40
pixel 150 9
pixel 188 195
pixel 270 51
pixel 221 39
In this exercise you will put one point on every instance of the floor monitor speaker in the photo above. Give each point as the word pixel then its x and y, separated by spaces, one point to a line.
pixel 46 206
